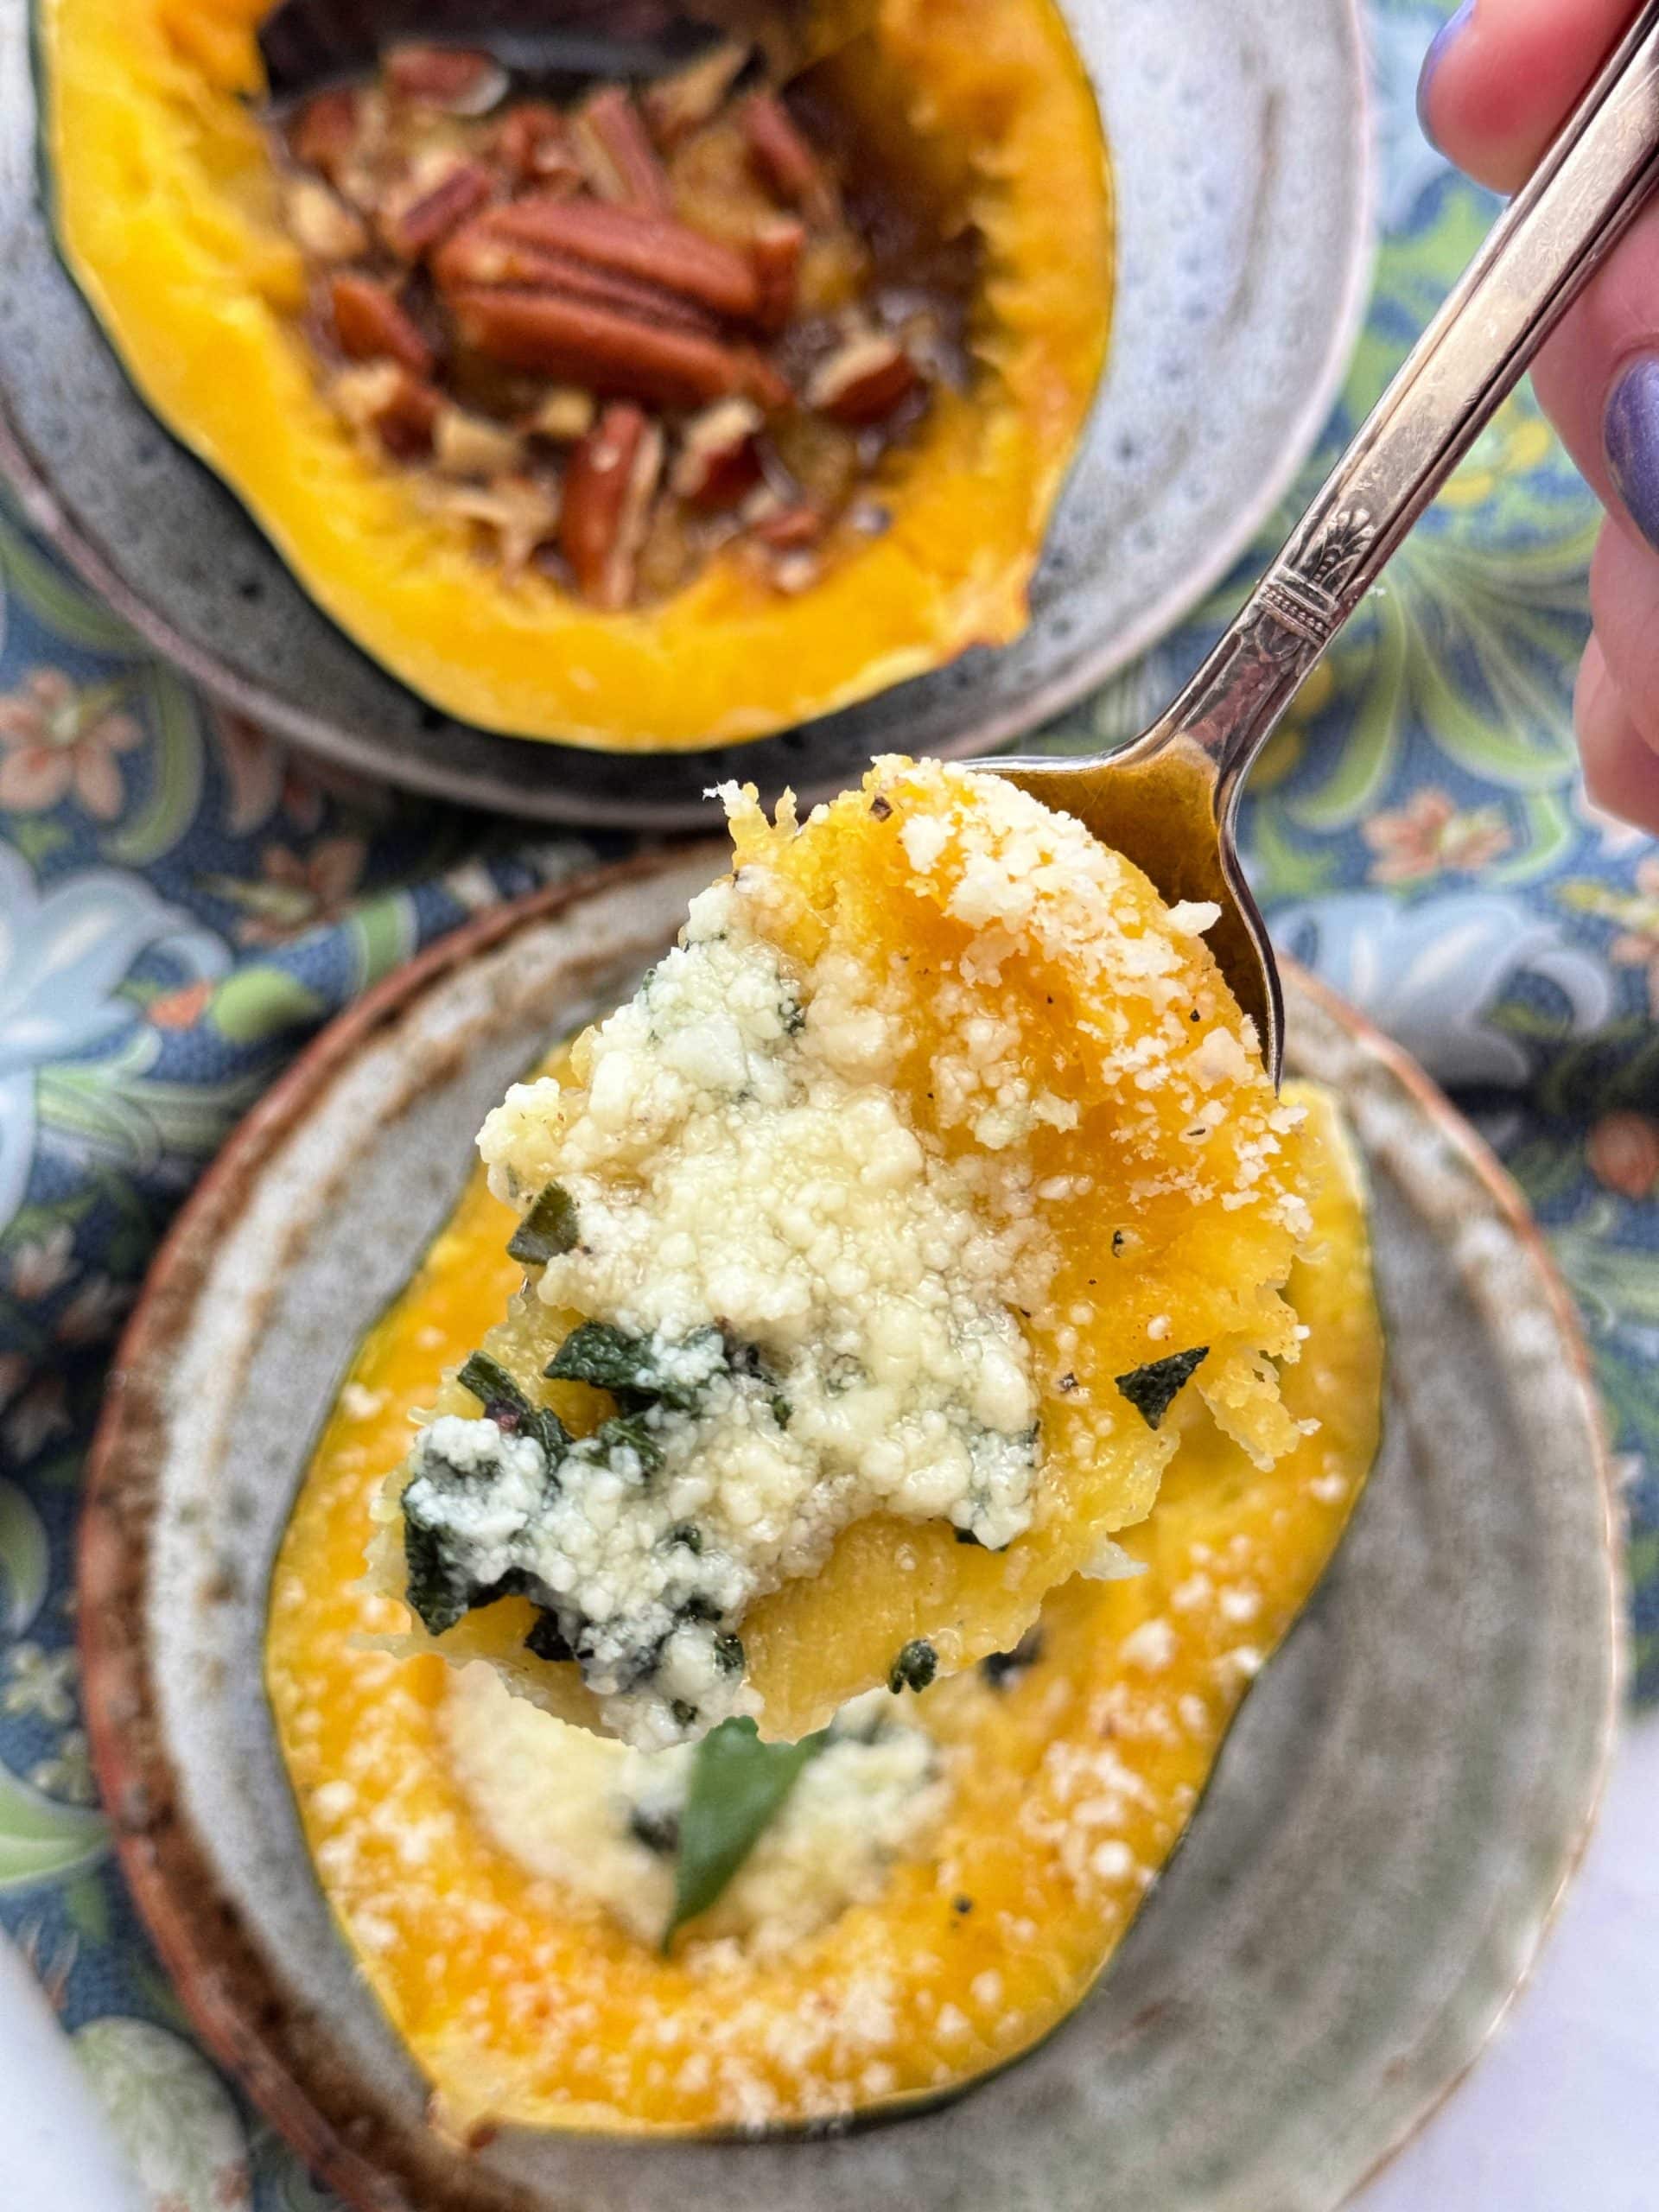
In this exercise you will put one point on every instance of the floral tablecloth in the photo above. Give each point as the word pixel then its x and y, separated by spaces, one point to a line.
pixel 182 903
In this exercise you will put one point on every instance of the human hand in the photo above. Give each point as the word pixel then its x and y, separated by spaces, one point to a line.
pixel 1498 82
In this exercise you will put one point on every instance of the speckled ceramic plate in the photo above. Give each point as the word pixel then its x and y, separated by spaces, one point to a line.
pixel 1367 1879
pixel 1239 293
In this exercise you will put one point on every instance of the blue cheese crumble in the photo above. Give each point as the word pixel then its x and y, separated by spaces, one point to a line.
pixel 805 1312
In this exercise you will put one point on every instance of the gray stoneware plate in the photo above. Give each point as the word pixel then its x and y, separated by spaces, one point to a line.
pixel 1239 294
pixel 1372 1867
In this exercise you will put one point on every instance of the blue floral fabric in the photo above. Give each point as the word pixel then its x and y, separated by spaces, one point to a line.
pixel 182 903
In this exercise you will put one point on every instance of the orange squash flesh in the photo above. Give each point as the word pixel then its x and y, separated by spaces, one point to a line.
pixel 1167 1234
pixel 167 215
pixel 524 2004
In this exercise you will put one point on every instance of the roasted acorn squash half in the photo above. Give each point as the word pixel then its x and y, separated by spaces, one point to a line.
pixel 166 205
pixel 1069 1770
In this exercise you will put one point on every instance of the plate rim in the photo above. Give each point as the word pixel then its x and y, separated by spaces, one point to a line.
pixel 129 1745
pixel 495 787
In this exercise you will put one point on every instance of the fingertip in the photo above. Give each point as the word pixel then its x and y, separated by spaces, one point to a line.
pixel 1621 769
pixel 1502 75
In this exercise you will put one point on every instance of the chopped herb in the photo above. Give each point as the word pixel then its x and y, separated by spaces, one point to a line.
pixel 792 1015
pixel 1000 1668
pixel 1118 1241
pixel 1152 1390
pixel 738 1785
pixel 915 1666
pixel 547 1639
pixel 961 1904
pixel 781 1408
pixel 630 1368
pixel 880 806
pixel 688 1534
pixel 658 1826
pixel 506 1404
pixel 438 1589
pixel 684 1714
pixel 628 1433
pixel 547 1230
pixel 1066 1384
pixel 696 1607
pixel 728 1653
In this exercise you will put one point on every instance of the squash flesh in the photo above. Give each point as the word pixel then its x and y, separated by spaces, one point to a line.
pixel 166 210
pixel 524 2004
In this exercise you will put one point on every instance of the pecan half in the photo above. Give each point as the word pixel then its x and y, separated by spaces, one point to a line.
pixel 608 487
pixel 783 160
pixel 717 464
pixel 370 325
pixel 776 251
pixel 654 248
pixel 323 135
pixel 616 153
pixel 577 342
pixel 457 79
pixel 478 255
pixel 533 145
pixel 863 380
pixel 678 105
pixel 436 201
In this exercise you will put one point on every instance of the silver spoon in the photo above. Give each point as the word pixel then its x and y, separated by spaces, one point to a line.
pixel 1169 800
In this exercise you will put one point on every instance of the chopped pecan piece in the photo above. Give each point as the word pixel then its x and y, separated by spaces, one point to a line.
pixel 437 199
pixel 470 445
pixel 323 135
pixel 608 487
pixel 783 160
pixel 762 381
pixel 654 248
pixel 564 415
pixel 577 342
pixel 776 252
pixel 372 326
pixel 788 530
pixel 863 380
pixel 457 79
pixel 717 464
pixel 676 106
pixel 400 409
pixel 533 145
pixel 616 153
pixel 321 224
pixel 479 256
pixel 522 512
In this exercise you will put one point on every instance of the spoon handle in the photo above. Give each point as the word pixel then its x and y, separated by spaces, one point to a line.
pixel 1537 260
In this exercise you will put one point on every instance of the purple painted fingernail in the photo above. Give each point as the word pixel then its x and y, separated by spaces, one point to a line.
pixel 1444 38
pixel 1629 438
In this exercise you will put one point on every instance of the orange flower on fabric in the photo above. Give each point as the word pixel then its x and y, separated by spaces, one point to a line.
pixel 56 737
pixel 1429 836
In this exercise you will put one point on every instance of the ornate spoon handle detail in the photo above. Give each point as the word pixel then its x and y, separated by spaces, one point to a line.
pixel 1539 256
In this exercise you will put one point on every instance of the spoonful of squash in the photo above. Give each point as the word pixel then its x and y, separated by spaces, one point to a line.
pixel 1169 801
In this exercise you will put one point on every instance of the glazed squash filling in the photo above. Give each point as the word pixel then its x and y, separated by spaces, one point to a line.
pixel 866 1251
pixel 619 333
pixel 572 1934
pixel 646 410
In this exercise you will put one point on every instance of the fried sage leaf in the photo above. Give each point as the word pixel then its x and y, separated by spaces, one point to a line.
pixel 547 1229
pixel 738 1785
